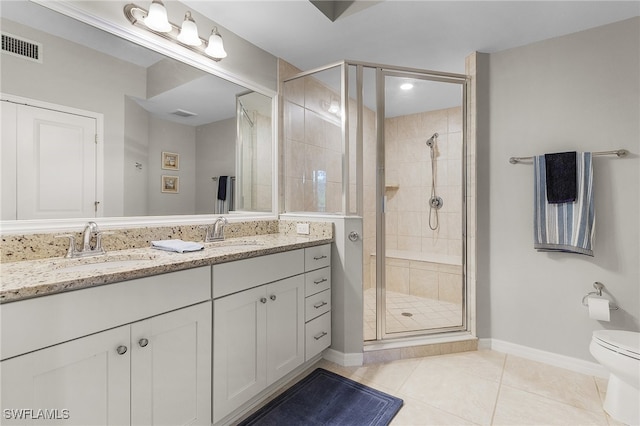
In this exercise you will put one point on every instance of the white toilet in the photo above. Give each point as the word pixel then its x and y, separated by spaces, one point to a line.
pixel 619 352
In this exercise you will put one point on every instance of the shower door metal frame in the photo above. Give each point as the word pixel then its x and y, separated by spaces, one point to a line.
pixel 381 73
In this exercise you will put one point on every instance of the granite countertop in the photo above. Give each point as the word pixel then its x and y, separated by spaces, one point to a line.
pixel 26 279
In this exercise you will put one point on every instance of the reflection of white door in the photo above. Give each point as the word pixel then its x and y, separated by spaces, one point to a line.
pixel 56 162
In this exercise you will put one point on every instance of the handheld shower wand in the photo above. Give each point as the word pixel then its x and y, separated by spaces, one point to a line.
pixel 435 202
pixel 432 140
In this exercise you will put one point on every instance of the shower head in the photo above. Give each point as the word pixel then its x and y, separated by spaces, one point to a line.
pixel 432 140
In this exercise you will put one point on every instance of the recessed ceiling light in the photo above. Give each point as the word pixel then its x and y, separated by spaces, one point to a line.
pixel 406 86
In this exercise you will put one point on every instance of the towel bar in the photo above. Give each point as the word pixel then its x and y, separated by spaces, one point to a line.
pixel 617 152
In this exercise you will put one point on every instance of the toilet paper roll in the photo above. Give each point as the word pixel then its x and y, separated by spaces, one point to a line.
pixel 599 309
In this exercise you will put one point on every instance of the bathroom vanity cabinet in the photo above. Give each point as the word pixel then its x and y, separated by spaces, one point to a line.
pixel 136 352
pixel 261 331
pixel 193 346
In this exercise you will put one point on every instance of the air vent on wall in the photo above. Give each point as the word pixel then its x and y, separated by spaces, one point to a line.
pixel 21 47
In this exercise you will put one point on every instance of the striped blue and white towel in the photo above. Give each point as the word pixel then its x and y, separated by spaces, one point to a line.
pixel 565 227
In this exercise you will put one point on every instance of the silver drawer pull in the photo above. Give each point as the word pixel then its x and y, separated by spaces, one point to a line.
pixel 319 257
pixel 320 336
pixel 319 305
pixel 263 300
pixel 272 297
pixel 143 342
pixel 121 350
pixel 324 280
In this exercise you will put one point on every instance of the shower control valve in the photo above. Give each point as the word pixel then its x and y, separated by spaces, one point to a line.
pixel 436 202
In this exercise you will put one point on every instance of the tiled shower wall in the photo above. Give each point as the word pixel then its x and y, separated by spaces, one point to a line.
pixel 312 147
pixel 408 186
pixel 408 180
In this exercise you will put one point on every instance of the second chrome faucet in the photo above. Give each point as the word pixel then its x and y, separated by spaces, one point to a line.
pixel 215 231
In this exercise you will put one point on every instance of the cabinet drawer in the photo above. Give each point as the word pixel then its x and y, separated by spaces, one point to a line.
pixel 317 281
pixel 35 323
pixel 317 257
pixel 244 274
pixel 317 305
pixel 318 335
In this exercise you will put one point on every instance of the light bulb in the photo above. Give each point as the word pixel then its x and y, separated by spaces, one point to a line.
pixel 215 48
pixel 157 18
pixel 189 32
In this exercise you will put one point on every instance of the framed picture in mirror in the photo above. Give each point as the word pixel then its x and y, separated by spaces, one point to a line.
pixel 170 184
pixel 170 161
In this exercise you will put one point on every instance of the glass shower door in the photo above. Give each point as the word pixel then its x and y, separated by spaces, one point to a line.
pixel 422 220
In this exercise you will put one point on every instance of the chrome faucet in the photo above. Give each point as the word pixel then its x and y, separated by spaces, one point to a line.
pixel 90 230
pixel 215 232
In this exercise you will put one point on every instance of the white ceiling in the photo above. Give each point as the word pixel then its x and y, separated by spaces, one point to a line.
pixel 434 35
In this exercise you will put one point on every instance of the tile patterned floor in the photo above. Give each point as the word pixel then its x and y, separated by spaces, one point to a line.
pixel 425 313
pixel 484 388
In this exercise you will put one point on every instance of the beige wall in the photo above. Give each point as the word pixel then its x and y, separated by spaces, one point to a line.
pixel 576 92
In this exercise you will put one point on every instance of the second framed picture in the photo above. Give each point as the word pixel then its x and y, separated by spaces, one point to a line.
pixel 170 184
pixel 170 161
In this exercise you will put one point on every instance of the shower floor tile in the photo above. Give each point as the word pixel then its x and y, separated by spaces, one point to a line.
pixel 409 313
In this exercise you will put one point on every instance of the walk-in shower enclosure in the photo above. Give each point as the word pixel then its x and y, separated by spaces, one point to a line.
pixel 354 143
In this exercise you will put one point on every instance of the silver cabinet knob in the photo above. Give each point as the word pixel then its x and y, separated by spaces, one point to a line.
pixel 143 342
pixel 263 299
pixel 272 297
pixel 121 350
pixel 353 236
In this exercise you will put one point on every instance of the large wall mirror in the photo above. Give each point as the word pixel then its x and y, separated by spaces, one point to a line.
pixel 172 139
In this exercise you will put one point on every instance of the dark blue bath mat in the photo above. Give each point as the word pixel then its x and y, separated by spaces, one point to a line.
pixel 324 398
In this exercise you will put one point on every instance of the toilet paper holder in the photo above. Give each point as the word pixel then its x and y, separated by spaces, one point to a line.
pixel 598 286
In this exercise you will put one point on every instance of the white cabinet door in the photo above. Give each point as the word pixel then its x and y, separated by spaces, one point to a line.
pixel 171 368
pixel 285 327
pixel 85 380
pixel 239 350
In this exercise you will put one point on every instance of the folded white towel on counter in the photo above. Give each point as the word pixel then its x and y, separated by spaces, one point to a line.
pixel 178 246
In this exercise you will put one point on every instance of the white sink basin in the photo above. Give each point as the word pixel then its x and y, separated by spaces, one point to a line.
pixel 104 264
pixel 235 243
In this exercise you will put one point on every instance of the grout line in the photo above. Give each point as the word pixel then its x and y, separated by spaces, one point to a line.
pixel 495 406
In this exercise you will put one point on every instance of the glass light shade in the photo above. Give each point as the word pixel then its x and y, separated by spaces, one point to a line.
pixel 157 18
pixel 215 48
pixel 189 32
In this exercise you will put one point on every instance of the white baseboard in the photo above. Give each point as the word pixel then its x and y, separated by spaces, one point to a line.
pixel 557 360
pixel 343 359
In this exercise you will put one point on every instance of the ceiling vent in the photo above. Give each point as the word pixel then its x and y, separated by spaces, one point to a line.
pixel 183 113
pixel 16 46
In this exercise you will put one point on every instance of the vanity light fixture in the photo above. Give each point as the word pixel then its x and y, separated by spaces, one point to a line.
pixel 186 35
pixel 215 49
pixel 189 32
pixel 334 107
pixel 157 17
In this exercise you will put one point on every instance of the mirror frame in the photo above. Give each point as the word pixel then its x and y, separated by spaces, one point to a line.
pixel 174 51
